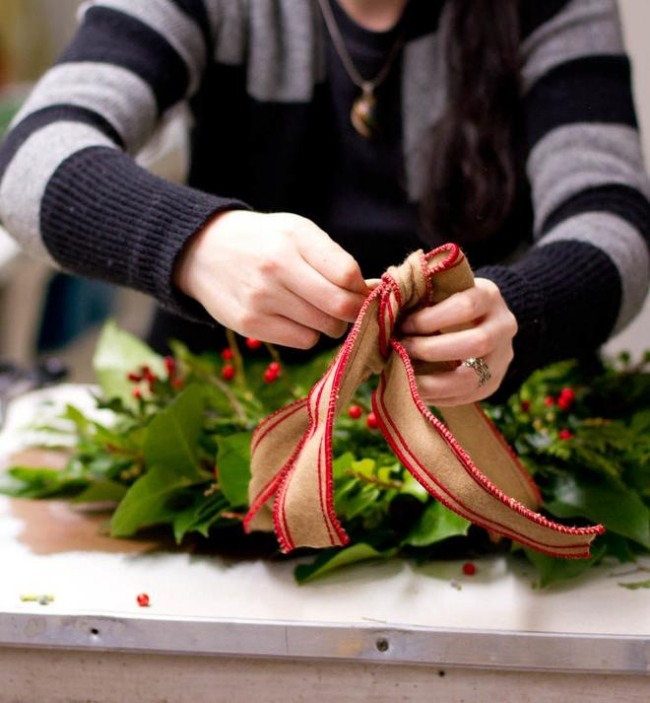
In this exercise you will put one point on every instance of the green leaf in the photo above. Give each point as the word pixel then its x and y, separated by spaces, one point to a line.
pixel 331 560
pixel 147 503
pixel 341 464
pixel 117 354
pixel 435 524
pixel 552 570
pixel 360 501
pixel 604 501
pixel 35 482
pixel 233 467
pixel 102 491
pixel 199 515
pixel 635 585
pixel 172 466
pixel 171 445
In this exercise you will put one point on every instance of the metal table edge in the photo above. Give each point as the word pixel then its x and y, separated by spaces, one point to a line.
pixel 366 642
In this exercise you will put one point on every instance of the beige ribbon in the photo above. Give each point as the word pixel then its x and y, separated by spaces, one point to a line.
pixel 464 462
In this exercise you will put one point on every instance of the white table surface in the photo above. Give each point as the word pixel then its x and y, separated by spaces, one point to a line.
pixel 205 604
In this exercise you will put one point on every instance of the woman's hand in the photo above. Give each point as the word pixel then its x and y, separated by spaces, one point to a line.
pixel 276 277
pixel 476 324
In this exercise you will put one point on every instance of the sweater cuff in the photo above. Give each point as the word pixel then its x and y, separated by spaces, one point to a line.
pixel 526 303
pixel 105 217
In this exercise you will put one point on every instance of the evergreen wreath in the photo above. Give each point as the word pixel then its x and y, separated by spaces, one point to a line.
pixel 175 457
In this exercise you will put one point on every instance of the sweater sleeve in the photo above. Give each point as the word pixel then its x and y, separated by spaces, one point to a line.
pixel 71 191
pixel 586 276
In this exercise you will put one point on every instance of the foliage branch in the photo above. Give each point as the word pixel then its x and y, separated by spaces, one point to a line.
pixel 175 456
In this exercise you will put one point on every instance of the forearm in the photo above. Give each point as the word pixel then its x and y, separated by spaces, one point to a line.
pixel 587 274
pixel 70 190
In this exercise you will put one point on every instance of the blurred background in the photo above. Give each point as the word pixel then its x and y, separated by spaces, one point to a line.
pixel 47 313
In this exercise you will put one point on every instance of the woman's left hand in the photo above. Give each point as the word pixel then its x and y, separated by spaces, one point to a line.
pixel 488 328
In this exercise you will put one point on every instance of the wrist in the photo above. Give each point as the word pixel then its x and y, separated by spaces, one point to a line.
pixel 184 274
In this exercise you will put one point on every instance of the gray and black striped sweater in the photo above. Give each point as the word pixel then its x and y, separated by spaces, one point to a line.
pixel 266 93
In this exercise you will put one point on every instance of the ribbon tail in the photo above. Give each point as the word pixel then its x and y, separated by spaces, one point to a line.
pixel 428 449
pixel 303 511
pixel 273 451
pixel 478 436
pixel 291 462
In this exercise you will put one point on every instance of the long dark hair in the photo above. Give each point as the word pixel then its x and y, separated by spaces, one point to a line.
pixel 474 171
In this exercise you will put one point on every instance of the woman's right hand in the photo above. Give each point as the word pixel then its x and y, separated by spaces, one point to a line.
pixel 275 277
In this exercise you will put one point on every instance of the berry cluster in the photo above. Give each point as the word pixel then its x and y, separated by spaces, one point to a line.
pixel 563 402
pixel 355 412
pixel 145 380
pixel 229 370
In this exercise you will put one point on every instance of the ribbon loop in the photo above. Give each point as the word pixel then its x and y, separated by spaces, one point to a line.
pixel 464 462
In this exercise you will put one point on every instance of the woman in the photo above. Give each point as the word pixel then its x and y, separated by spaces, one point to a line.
pixel 331 138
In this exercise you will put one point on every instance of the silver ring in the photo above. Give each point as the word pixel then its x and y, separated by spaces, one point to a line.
pixel 477 364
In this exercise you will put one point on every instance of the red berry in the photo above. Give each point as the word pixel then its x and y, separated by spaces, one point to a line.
pixel 270 375
pixel 137 393
pixel 178 383
pixel 227 354
pixel 355 412
pixel 134 377
pixel 170 365
pixel 469 569
pixel 228 372
pixel 371 421
pixel 525 405
pixel 275 366
pixel 143 600
pixel 253 343
pixel 566 399
pixel 565 434
pixel 549 400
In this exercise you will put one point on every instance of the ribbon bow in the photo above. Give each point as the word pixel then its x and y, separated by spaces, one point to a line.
pixel 464 462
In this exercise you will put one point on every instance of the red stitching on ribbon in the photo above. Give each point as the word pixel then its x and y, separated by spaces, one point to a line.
pixel 324 403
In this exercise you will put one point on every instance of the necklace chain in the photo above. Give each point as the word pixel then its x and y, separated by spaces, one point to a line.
pixel 367 86
pixel 363 115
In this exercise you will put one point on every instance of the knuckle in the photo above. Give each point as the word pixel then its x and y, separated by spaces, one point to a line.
pixel 340 307
pixel 249 323
pixel 349 273
pixel 253 298
pixel 512 325
pixel 468 306
pixel 273 262
pixel 483 342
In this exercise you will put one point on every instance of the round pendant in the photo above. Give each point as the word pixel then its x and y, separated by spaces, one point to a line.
pixel 364 114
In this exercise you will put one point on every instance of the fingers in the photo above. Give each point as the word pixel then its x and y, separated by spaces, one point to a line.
pixel 331 280
pixel 474 323
pixel 257 305
pixel 459 309
pixel 460 385
pixel 276 277
pixel 331 260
